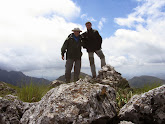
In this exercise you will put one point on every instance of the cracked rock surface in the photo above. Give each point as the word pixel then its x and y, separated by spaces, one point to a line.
pixel 147 108
pixel 12 109
pixel 109 76
pixel 74 103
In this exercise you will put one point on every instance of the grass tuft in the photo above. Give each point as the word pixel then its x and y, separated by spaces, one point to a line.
pixel 32 92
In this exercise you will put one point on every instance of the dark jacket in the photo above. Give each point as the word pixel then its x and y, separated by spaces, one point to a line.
pixel 91 40
pixel 72 48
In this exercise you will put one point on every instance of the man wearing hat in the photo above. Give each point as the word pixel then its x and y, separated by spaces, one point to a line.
pixel 72 47
pixel 92 42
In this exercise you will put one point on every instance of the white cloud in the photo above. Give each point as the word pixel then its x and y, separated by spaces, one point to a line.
pixel 141 48
pixel 149 9
pixel 32 33
pixel 130 21
pixel 117 61
pixel 85 17
pixel 31 8
pixel 100 25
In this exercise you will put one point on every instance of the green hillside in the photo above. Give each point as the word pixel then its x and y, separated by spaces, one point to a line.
pixel 141 81
pixel 6 89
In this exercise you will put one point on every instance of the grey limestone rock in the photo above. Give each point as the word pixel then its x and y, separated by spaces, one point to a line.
pixel 109 76
pixel 75 103
pixel 146 108
pixel 12 109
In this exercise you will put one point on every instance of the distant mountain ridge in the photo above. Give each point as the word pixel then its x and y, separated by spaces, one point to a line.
pixel 17 78
pixel 143 80
pixel 82 75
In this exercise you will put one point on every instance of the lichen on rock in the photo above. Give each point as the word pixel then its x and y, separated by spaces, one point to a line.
pixel 78 102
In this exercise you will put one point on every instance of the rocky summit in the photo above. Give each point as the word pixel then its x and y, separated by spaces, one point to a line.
pixel 74 103
pixel 109 76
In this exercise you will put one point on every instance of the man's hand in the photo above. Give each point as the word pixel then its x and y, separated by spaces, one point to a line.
pixel 62 57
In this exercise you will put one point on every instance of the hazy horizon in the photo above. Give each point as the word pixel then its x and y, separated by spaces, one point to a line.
pixel 54 76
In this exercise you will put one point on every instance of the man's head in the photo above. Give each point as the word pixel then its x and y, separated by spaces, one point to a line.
pixel 76 31
pixel 88 25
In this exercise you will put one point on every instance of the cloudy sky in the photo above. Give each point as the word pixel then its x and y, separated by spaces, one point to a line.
pixel 33 31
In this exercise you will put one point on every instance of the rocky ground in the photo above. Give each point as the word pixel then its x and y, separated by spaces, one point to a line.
pixel 87 101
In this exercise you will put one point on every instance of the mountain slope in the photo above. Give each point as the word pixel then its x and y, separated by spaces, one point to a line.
pixel 82 75
pixel 144 80
pixel 6 89
pixel 18 78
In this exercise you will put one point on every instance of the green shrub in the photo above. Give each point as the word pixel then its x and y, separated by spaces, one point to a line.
pixel 32 92
pixel 123 96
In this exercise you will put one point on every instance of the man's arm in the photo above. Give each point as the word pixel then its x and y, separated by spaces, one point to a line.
pixel 64 48
pixel 99 37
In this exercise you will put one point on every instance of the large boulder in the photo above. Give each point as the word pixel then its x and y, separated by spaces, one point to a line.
pixel 75 103
pixel 108 75
pixel 12 109
pixel 147 108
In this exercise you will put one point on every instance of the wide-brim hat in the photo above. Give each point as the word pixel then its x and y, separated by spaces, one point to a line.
pixel 76 29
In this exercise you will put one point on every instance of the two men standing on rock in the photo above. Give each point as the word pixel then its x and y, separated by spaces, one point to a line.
pixel 91 40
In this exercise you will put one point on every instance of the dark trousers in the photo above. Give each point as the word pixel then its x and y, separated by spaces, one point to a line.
pixel 92 63
pixel 68 69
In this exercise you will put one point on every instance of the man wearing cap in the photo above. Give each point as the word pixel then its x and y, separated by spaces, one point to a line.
pixel 92 42
pixel 72 47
